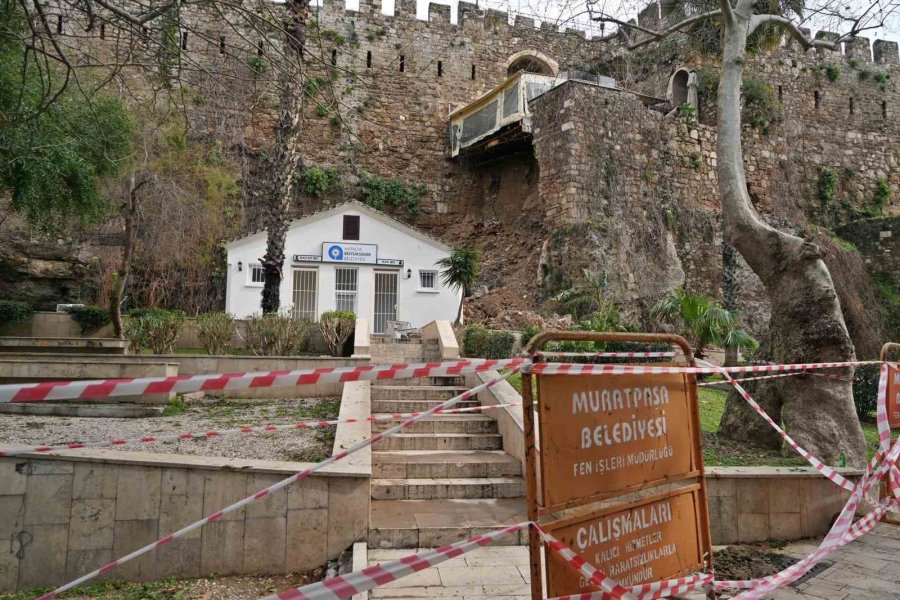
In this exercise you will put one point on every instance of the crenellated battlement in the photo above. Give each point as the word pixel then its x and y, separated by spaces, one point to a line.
pixel 469 17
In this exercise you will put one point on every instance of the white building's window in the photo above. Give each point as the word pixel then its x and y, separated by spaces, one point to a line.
pixel 256 276
pixel 345 285
pixel 306 294
pixel 428 281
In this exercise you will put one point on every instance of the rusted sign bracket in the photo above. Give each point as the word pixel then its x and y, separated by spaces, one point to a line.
pixel 543 509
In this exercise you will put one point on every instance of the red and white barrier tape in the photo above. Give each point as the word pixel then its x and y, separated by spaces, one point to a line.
pixel 818 465
pixel 107 388
pixel 344 586
pixel 607 354
pixel 725 381
pixel 265 492
pixel 150 439
pixel 618 369
pixel 593 575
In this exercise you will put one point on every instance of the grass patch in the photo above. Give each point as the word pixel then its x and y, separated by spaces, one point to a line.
pixel 167 589
pixel 176 406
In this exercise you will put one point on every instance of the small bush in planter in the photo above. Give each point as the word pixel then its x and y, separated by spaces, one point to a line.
pixel 216 331
pixel 276 334
pixel 337 326
pixel 89 318
pixel 13 311
pixel 153 328
pixel 479 342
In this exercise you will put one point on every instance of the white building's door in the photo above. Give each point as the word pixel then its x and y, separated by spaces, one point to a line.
pixel 385 299
pixel 305 294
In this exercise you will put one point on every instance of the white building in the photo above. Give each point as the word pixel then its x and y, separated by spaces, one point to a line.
pixel 350 257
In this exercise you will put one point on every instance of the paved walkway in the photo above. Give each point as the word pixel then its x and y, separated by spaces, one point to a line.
pixel 868 569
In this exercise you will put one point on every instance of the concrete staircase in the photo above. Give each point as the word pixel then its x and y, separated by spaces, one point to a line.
pixel 443 479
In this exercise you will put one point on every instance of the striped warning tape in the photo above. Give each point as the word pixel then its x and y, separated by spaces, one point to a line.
pixel 344 586
pixel 606 354
pixel 181 384
pixel 618 369
pixel 267 491
pixel 150 439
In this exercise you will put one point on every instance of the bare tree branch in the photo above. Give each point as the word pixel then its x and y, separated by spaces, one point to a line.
pixel 657 35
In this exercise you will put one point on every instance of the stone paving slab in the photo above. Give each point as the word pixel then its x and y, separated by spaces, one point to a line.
pixel 868 568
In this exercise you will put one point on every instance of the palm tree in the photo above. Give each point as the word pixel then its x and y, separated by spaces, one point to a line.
pixel 588 297
pixel 702 321
pixel 460 271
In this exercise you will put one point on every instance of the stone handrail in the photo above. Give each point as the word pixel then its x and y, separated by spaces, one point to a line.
pixel 361 343
pixel 442 331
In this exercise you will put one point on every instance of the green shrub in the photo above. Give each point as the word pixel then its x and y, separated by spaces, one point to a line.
pixel 528 333
pixel 13 311
pixel 337 326
pixel 318 180
pixel 865 389
pixel 89 318
pixel 832 73
pixel 378 193
pixel 827 189
pixel 276 334
pixel 881 77
pixel 153 328
pixel 881 198
pixel 175 407
pixel 216 331
pixel 479 342
pixel 761 106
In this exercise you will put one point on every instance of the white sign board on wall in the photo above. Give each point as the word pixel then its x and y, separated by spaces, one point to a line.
pixel 337 252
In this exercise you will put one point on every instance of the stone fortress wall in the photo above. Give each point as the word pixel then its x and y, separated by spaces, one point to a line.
pixel 600 157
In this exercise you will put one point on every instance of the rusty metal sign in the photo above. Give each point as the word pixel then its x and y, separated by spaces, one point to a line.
pixel 606 435
pixel 595 438
pixel 655 539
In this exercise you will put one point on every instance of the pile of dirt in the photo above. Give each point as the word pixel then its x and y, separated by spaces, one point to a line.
pixel 749 562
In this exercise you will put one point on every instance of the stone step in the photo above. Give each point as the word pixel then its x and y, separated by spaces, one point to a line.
pixel 422 381
pixel 434 523
pixel 458 423
pixel 437 489
pixel 408 406
pixel 412 392
pixel 424 464
pixel 442 441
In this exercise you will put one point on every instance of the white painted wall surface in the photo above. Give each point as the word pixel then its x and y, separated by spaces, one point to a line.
pixel 306 237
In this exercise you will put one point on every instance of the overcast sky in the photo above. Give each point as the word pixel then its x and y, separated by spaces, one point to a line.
pixel 562 11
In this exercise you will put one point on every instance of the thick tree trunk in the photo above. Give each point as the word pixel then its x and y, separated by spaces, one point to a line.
pixel 118 287
pixel 806 323
pixel 287 155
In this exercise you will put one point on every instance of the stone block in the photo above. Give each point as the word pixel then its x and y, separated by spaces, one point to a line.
pixel 79 562
pixel 753 527
pixel 179 510
pixel 43 554
pixel 435 537
pixel 784 495
pixel 138 492
pixel 348 512
pixel 129 536
pixel 274 505
pixel 752 496
pixel 306 547
pixel 50 467
pixel 12 482
pixel 311 492
pixel 264 545
pixel 179 558
pixel 723 522
pixel 92 524
pixel 785 526
pixel 94 480
pixel 48 499
pixel 9 568
pixel 221 489
pixel 12 515
pixel 222 548
pixel 721 487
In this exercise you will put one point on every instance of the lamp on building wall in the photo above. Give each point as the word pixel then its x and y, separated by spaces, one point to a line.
pixel 409 273
pixel 240 266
